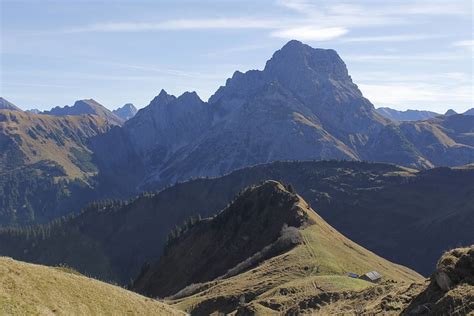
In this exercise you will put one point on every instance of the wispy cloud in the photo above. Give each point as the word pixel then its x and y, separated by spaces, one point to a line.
pixel 179 24
pixel 429 57
pixel 417 7
pixel 391 38
pixel 469 44
pixel 310 33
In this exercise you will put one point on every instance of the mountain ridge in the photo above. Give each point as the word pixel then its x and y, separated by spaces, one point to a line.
pixel 303 105
pixel 86 106
pixel 407 115
pixel 266 238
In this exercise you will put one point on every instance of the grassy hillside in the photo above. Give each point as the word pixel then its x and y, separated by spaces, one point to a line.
pixel 237 256
pixel 28 289
pixel 44 160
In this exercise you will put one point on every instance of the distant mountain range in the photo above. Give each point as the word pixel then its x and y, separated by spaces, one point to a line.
pixel 302 106
pixel 82 107
pixel 126 112
pixel 415 115
pixel 407 115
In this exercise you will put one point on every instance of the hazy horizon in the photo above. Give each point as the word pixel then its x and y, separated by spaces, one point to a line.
pixel 401 54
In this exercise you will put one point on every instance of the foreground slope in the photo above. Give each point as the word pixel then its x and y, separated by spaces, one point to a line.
pixel 266 240
pixel 28 289
pixel 431 297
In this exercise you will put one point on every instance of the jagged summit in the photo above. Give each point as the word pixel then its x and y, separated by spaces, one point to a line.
pixel 305 71
pixel 191 97
pixel 126 112
pixel 163 98
pixel 298 57
pixel 450 112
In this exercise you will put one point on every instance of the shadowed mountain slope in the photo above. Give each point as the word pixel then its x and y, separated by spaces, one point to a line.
pixel 407 210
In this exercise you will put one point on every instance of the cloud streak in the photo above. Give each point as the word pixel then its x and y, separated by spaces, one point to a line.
pixel 391 38
pixel 176 25
pixel 310 33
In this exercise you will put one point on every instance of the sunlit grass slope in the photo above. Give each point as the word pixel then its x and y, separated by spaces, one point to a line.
pixel 29 289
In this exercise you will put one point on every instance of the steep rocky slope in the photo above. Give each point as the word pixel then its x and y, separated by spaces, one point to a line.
pixel 89 106
pixel 303 105
pixel 28 289
pixel 266 240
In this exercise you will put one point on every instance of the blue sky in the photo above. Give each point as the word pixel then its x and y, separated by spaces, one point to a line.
pixel 402 54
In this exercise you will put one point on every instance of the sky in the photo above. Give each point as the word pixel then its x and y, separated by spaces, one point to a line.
pixel 415 54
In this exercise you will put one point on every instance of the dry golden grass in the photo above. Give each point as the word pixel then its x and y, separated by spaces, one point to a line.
pixel 29 289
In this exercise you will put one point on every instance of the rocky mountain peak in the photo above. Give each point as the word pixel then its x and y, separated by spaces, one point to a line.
pixel 189 98
pixel 163 98
pixel 126 112
pixel 298 58
pixel 450 112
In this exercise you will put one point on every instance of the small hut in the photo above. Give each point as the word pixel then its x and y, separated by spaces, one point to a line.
pixel 372 276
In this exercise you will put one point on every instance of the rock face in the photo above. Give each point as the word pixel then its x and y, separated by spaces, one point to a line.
pixel 126 112
pixel 455 266
pixel 7 105
pixel 408 115
pixel 302 106
pixel 82 107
